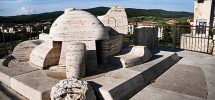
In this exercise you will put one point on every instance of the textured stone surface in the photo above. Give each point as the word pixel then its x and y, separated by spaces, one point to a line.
pixel 108 48
pixel 23 50
pixel 75 60
pixel 72 89
pixel 34 85
pixel 8 70
pixel 138 55
pixel 91 60
pixel 77 25
pixel 120 84
pixel 7 93
pixel 153 69
pixel 46 55
pixel 116 18
pixel 174 80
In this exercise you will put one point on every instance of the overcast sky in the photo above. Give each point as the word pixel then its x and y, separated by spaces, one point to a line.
pixel 20 7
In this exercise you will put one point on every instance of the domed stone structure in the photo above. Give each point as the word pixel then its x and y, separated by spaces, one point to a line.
pixel 77 25
pixel 72 26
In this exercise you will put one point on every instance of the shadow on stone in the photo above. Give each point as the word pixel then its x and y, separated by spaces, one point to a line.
pixel 10 95
pixel 7 60
pixel 96 89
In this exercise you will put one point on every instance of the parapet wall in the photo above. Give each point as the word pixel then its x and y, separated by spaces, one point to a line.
pixel 197 42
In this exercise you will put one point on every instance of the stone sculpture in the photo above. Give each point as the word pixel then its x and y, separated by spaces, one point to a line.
pixel 72 89
pixel 77 43
pixel 103 38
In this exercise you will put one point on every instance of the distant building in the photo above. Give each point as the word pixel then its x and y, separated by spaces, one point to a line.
pixel 1 29
pixel 131 28
pixel 172 22
pixel 11 29
pixel 203 15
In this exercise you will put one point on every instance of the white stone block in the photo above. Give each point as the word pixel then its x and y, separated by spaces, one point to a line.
pixel 35 85
pixel 7 72
pixel 118 85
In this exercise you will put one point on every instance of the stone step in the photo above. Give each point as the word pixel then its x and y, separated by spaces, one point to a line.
pixel 126 82
pixel 34 85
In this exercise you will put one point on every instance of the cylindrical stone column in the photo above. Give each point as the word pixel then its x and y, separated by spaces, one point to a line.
pixel 75 60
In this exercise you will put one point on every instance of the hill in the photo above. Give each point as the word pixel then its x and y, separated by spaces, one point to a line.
pixel 131 12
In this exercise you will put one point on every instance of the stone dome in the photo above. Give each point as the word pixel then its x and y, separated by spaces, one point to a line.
pixel 77 25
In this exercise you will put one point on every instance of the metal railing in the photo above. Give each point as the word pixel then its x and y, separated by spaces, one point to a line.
pixel 8 41
pixel 194 38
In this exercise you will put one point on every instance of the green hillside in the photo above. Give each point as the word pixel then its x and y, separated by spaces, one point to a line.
pixel 131 12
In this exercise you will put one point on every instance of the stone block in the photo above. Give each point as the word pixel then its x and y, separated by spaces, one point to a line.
pixel 117 85
pixel 35 85
pixel 7 72
pixel 153 69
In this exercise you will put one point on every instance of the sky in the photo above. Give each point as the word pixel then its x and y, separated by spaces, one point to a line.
pixel 26 7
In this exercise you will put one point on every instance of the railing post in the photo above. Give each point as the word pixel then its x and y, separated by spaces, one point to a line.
pixel 4 43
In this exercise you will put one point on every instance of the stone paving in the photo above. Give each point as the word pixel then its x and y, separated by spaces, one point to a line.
pixel 192 78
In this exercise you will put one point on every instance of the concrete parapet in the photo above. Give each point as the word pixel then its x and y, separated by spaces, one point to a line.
pixel 196 42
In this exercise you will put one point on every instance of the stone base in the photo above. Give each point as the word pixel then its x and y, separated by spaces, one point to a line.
pixel 124 83
pixel 35 85
pixel 27 80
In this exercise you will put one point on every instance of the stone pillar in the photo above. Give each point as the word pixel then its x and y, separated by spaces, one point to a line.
pixel 75 60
